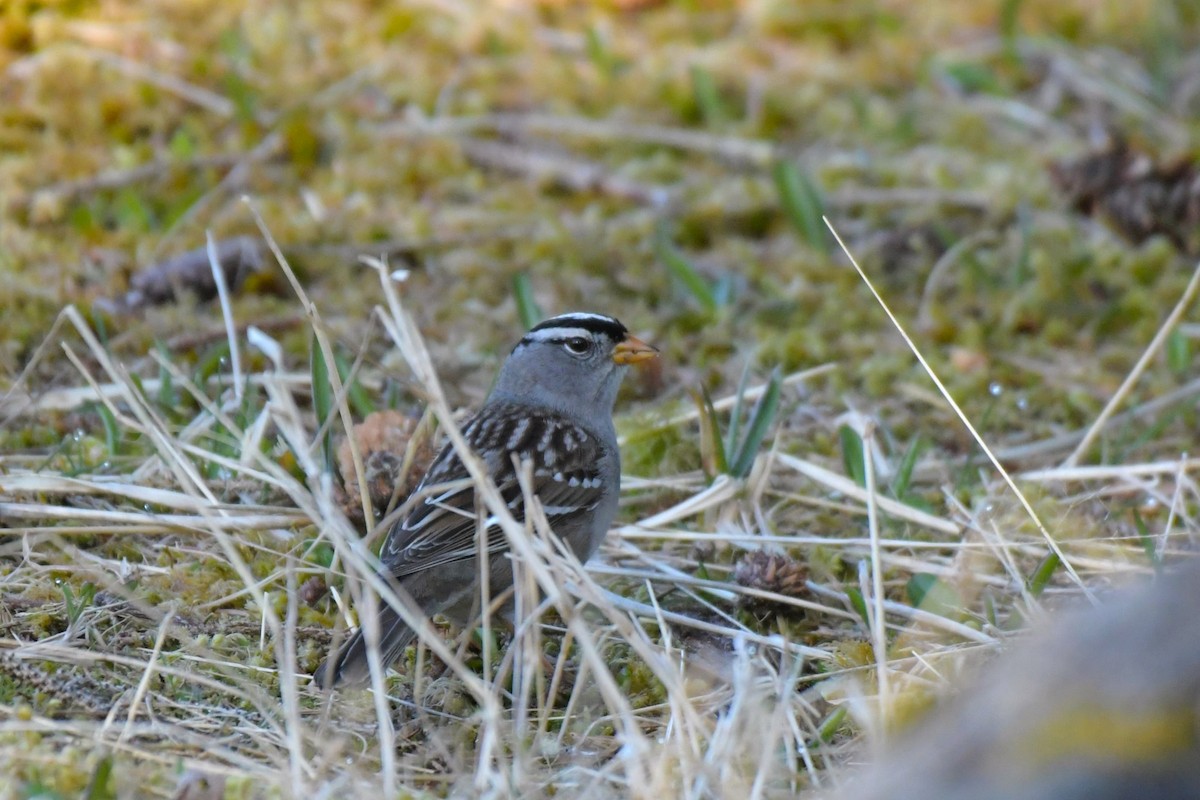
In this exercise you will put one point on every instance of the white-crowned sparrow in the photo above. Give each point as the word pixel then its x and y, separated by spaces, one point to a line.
pixel 551 406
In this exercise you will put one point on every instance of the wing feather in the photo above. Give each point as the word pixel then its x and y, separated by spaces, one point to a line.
pixel 442 528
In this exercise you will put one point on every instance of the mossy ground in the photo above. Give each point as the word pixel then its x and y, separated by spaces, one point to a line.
pixel 579 146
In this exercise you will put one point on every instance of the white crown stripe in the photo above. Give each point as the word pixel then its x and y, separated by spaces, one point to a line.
pixel 580 316
pixel 556 333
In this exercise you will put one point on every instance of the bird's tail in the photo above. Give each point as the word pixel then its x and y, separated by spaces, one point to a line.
pixel 350 666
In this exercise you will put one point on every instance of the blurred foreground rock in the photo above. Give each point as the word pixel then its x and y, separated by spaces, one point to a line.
pixel 1102 703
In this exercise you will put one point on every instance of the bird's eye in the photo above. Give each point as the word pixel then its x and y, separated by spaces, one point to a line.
pixel 577 345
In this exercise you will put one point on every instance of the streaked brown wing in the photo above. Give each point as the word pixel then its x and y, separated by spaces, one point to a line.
pixel 442 528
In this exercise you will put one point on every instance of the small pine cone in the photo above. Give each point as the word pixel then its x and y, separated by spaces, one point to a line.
pixel 1137 196
pixel 1087 181
pixel 383 438
pixel 313 589
pixel 770 572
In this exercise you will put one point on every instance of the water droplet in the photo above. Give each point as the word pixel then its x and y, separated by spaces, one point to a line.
pixel 77 435
pixel 995 389
pixel 1022 402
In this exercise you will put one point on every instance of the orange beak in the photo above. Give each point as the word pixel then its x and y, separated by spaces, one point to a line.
pixel 632 350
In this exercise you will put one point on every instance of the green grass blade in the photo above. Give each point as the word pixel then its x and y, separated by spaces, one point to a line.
pixel 831 724
pixel 210 363
pixel 735 417
pixel 1179 353
pixel 1147 541
pixel 929 593
pixel 802 204
pixel 70 604
pixel 682 269
pixel 909 462
pixel 918 586
pixel 852 455
pixel 74 604
pixel 99 787
pixel 1009 28
pixel 112 431
pixel 527 308
pixel 760 423
pixel 1023 269
pixel 859 604
pixel 359 397
pixel 712 451
pixel 1041 577
pixel 599 52
pixel 98 322
pixel 708 98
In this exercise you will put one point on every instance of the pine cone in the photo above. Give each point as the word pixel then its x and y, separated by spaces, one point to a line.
pixel 1088 180
pixel 383 439
pixel 770 572
pixel 1138 197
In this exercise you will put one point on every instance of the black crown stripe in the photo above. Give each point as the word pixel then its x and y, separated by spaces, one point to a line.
pixel 592 323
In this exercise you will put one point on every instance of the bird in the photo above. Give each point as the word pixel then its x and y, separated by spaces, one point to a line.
pixel 549 411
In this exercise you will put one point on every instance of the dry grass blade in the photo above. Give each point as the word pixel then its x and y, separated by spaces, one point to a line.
pixel 1115 472
pixel 1152 349
pixel 42 483
pixel 1054 547
pixel 845 486
pixel 749 151
pixel 71 398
